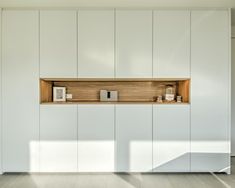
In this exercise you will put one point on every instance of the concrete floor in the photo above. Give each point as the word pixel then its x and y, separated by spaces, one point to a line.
pixel 118 180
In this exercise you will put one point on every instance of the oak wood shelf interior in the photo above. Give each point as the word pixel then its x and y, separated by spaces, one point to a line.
pixel 129 90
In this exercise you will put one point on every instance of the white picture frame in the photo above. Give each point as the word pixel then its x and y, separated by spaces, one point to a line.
pixel 59 94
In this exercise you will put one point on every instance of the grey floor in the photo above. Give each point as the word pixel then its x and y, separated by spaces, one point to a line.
pixel 118 180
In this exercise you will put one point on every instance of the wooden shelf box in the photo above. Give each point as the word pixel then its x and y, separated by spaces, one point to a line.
pixel 129 90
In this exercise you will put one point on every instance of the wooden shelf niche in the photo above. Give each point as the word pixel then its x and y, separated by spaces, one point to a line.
pixel 129 90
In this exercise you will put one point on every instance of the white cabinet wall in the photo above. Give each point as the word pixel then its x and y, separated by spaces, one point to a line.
pixel 115 44
pixel 134 43
pixel 171 138
pixel 134 138
pixel 96 138
pixel 96 43
pixel 20 90
pixel 233 98
pixel 0 90
pixel 171 44
pixel 58 44
pixel 210 98
pixel 58 138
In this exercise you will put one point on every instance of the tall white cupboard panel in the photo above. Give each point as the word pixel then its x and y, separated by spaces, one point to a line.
pixel 233 98
pixel 134 43
pixel 134 138
pixel 58 44
pixel 58 138
pixel 20 78
pixel 0 91
pixel 210 90
pixel 171 138
pixel 96 138
pixel 96 43
pixel 171 44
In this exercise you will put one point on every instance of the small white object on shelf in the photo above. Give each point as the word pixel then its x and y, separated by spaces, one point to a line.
pixel 179 98
pixel 169 96
pixel 108 95
pixel 69 96
pixel 159 99
pixel 59 94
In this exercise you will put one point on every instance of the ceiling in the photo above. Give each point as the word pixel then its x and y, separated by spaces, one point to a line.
pixel 118 3
pixel 121 3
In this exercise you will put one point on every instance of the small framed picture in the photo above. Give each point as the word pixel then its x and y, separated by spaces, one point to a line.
pixel 59 94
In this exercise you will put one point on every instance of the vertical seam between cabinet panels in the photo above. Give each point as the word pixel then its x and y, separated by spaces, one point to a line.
pixel 190 68
pixel 1 96
pixel 77 135
pixel 115 141
pixel 77 40
pixel 77 77
pixel 152 77
pixel 152 38
pixel 152 140
pixel 39 63
pixel 115 48
pixel 229 86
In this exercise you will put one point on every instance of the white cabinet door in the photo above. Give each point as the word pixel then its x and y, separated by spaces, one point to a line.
pixel 134 43
pixel 171 138
pixel 1 90
pixel 58 44
pixel 58 138
pixel 134 138
pixel 210 88
pixel 96 43
pixel 20 79
pixel 171 53
pixel 233 98
pixel 96 138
